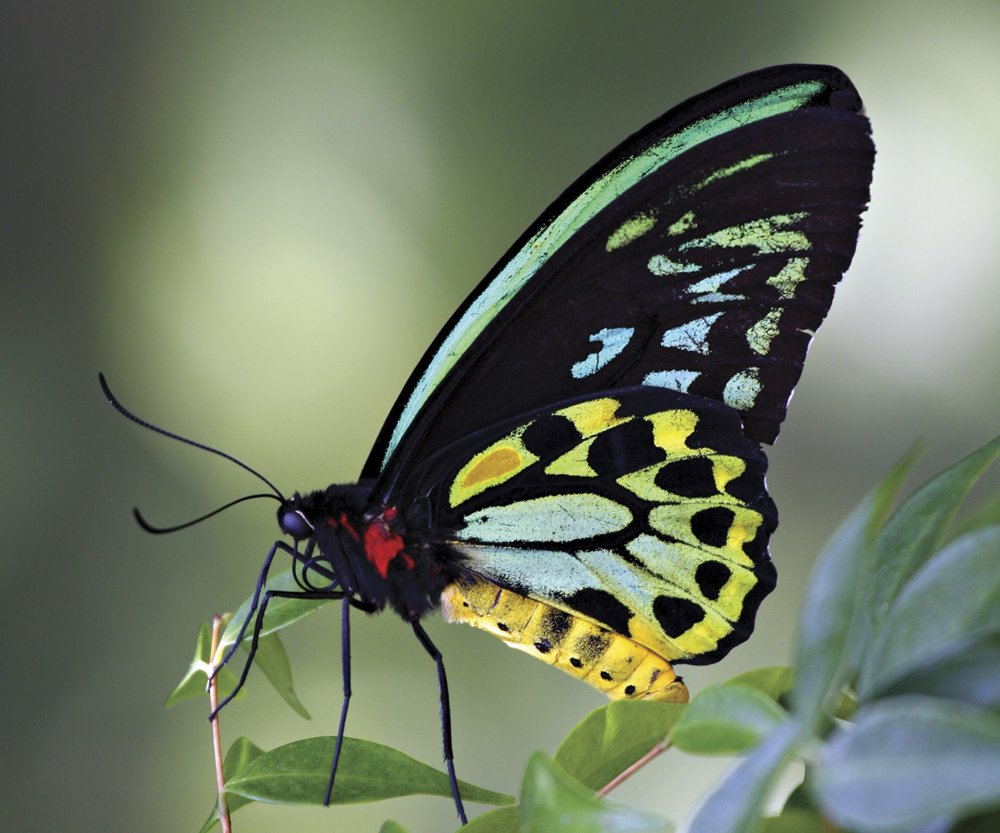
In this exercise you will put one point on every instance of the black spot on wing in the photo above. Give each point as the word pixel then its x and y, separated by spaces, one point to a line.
pixel 711 577
pixel 550 435
pixel 711 526
pixel 676 616
pixel 602 607
pixel 749 486
pixel 624 448
pixel 693 477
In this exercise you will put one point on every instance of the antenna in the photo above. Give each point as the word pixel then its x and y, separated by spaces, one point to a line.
pixel 127 413
pixel 163 530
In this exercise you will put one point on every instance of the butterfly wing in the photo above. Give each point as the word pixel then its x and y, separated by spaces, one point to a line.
pixel 643 511
pixel 698 256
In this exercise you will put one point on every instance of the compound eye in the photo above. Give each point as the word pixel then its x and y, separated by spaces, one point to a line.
pixel 295 524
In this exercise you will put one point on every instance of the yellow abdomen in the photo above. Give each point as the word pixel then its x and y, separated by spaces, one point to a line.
pixel 607 660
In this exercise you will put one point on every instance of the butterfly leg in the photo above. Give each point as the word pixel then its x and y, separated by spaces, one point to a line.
pixel 258 625
pixel 261 580
pixel 345 658
pixel 449 756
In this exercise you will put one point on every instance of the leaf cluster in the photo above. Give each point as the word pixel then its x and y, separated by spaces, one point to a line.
pixel 893 705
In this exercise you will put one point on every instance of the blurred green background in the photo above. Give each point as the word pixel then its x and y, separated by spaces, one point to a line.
pixel 254 217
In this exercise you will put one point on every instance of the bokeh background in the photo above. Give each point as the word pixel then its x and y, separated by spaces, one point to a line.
pixel 254 217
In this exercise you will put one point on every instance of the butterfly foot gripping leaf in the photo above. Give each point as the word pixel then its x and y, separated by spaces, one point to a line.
pixel 574 465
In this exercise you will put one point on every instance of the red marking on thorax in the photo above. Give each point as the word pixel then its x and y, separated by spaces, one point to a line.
pixel 348 527
pixel 382 544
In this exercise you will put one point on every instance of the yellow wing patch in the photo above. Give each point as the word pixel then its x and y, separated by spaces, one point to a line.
pixel 671 430
pixel 492 466
pixel 574 462
pixel 594 416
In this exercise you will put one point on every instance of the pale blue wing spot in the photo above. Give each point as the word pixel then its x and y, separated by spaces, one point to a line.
pixel 664 267
pixel 713 282
pixel 556 518
pixel 549 574
pixel 716 298
pixel 760 335
pixel 679 380
pixel 613 341
pixel 601 193
pixel 617 576
pixel 742 389
pixel 692 335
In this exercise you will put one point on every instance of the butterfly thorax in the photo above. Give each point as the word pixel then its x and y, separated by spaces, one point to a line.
pixel 371 549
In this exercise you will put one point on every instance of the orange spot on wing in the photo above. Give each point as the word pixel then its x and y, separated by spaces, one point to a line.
pixel 496 464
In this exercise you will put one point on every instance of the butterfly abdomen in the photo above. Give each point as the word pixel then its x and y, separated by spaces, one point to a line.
pixel 610 662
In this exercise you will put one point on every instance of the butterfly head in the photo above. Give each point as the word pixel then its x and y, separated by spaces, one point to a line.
pixel 293 520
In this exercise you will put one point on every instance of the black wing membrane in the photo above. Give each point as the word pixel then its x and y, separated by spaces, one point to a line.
pixel 643 510
pixel 699 256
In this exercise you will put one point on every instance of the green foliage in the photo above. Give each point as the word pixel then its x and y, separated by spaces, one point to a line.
pixel 613 737
pixel 553 800
pixel 893 704
pixel 726 720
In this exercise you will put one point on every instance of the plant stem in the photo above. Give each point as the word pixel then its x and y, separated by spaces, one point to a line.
pixel 213 695
pixel 657 750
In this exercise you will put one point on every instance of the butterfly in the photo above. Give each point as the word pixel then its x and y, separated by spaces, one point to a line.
pixel 575 463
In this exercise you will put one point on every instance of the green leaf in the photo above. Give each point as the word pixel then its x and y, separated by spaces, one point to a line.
pixel 986 513
pixel 280 612
pixel 824 661
pixel 613 737
pixel 953 600
pixel 501 820
pixel 552 800
pixel 908 761
pixel 985 823
pixel 273 661
pixel 970 674
pixel 775 681
pixel 735 805
pixel 196 679
pixel 298 773
pixel 726 720
pixel 916 528
pixel 391 826
pixel 241 753
pixel 794 820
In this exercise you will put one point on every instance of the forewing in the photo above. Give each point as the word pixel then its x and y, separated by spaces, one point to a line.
pixel 643 510
pixel 699 256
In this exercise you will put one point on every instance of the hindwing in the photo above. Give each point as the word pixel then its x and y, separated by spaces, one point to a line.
pixel 642 510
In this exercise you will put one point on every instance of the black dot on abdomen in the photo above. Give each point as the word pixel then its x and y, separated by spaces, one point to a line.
pixel 711 577
pixel 711 526
pixel 676 616
pixel 693 477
